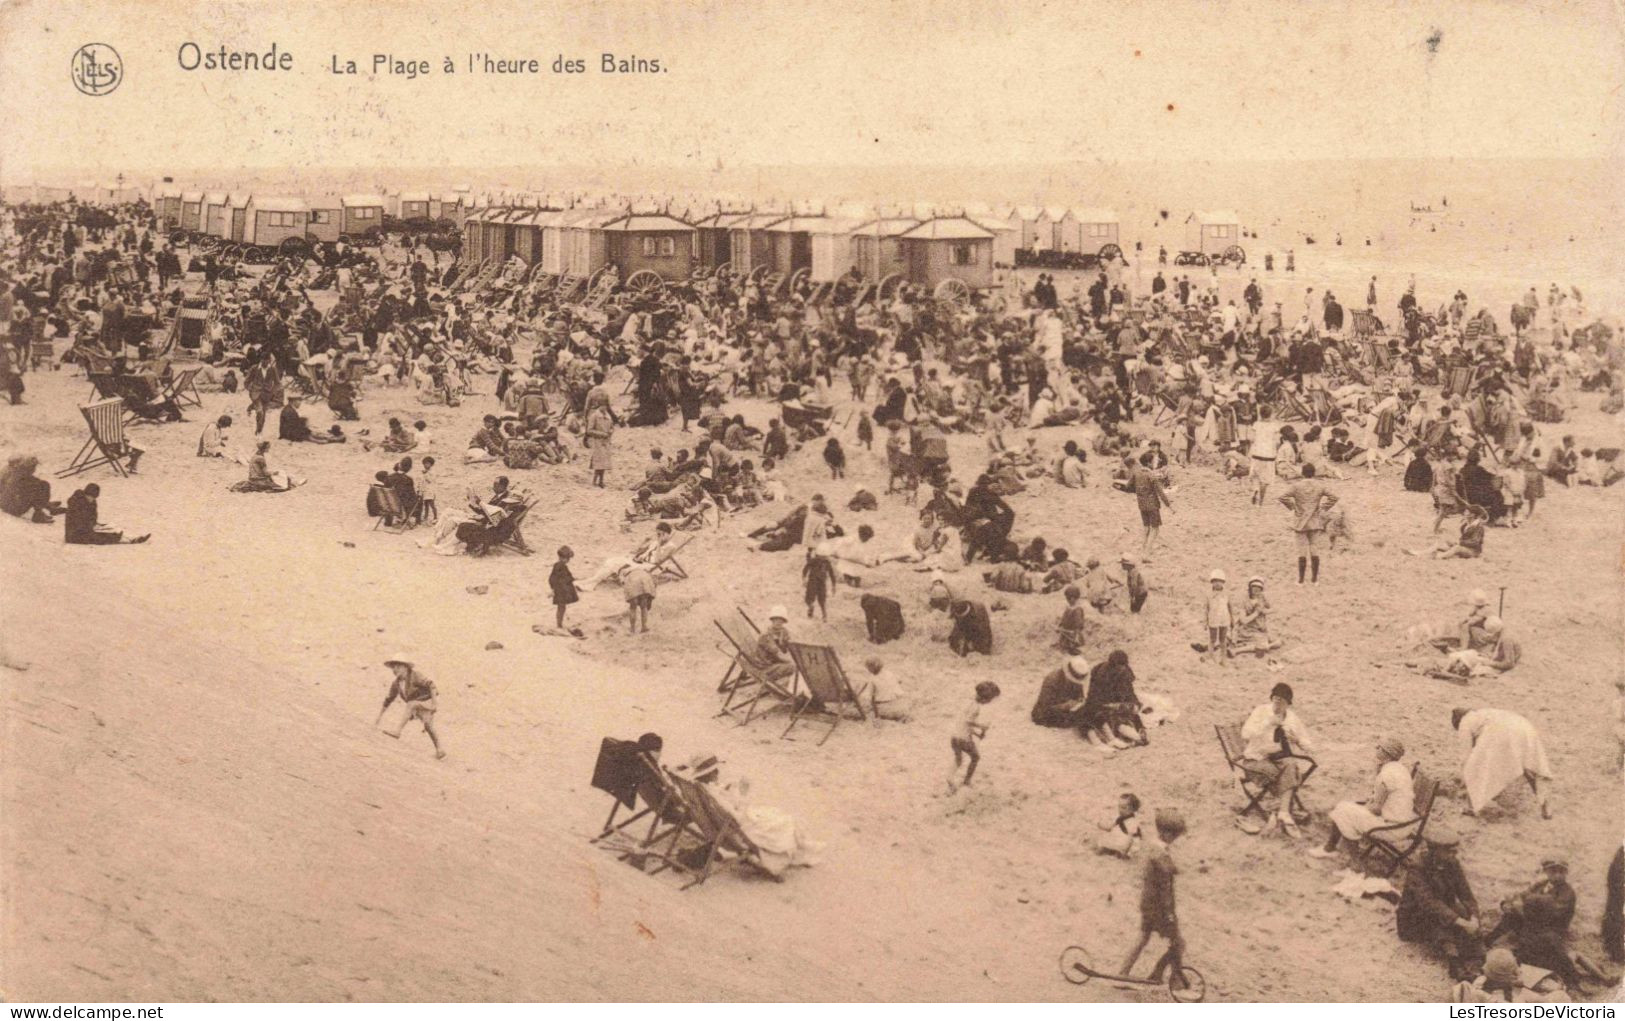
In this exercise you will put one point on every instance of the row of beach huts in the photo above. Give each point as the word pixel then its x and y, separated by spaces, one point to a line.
pixel 651 241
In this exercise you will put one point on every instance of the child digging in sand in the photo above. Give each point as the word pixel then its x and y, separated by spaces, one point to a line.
pixel 966 734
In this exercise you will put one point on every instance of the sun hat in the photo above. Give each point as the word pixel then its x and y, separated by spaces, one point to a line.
pixel 1392 747
pixel 778 613
pixel 398 657
pixel 1501 969
pixel 1078 667
pixel 1216 575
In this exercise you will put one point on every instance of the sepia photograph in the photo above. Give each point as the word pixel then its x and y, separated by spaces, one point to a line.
pixel 735 502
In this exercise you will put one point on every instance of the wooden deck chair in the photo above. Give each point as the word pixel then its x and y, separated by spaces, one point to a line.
pixel 668 564
pixel 721 839
pixel 41 352
pixel 1252 788
pixel 828 687
pixel 745 683
pixel 1387 847
pixel 502 535
pixel 394 515
pixel 1460 381
pixel 632 777
pixel 106 444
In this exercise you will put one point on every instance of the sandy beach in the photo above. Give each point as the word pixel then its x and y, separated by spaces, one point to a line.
pixel 216 810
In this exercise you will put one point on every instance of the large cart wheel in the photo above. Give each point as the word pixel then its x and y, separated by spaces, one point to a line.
pixel 952 289
pixel 293 246
pixel 797 277
pixel 178 237
pixel 257 255
pixel 1186 985
pixel 889 286
pixel 644 281
pixel 758 274
pixel 1075 967
pixel 1235 254
pixel 723 269
pixel 596 280
pixel 1109 253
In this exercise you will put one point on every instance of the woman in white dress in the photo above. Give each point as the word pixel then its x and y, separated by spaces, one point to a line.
pixel 1392 800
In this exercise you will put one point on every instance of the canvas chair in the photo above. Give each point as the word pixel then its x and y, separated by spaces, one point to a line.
pixel 396 515
pixel 1253 788
pixel 1388 847
pixel 745 683
pixel 1460 381
pixel 828 687
pixel 106 444
pixel 182 389
pixel 501 535
pixel 721 839
pixel 667 563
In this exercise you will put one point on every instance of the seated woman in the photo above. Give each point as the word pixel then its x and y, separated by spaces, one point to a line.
pixel 1391 801
pixel 778 843
pixel 1500 653
pixel 261 479
pixel 649 552
pixel 1469 545
pixel 399 439
pixel 1110 718
pixel 1251 631
pixel 341 399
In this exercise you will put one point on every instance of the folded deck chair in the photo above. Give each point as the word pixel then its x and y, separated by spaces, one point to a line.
pixel 1254 789
pixel 1387 847
pixel 106 444
pixel 721 839
pixel 746 682
pixel 668 564
pixel 828 687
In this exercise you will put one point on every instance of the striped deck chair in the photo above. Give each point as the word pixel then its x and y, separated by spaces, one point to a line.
pixel 746 682
pixel 1459 383
pixel 106 444
pixel 828 687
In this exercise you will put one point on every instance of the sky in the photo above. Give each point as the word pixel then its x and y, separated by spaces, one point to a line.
pixel 848 82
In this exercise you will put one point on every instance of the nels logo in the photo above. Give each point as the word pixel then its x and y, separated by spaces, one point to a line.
pixel 96 69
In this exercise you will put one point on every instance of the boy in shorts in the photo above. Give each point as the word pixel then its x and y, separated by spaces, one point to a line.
pixel 966 734
pixel 1157 914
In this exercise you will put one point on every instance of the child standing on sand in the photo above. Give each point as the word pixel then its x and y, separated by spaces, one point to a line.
pixel 1218 618
pixel 967 732
pixel 563 584
pixel 1157 914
